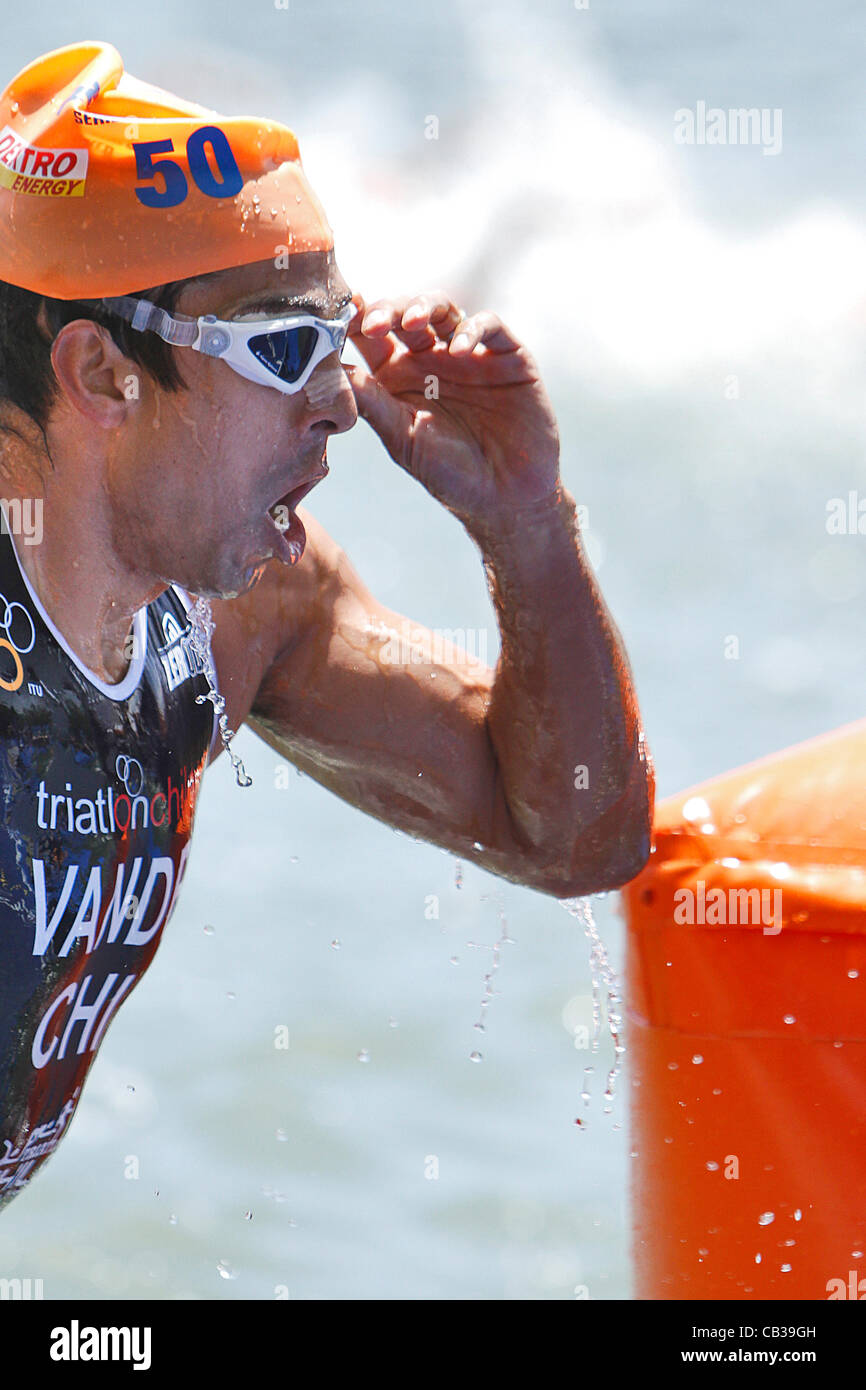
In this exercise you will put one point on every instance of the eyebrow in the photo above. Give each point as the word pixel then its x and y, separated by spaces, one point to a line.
pixel 318 303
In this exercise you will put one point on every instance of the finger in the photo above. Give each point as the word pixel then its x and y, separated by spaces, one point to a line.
pixel 382 315
pixel 391 419
pixel 434 308
pixel 418 321
pixel 485 329
pixel 376 351
pixel 385 317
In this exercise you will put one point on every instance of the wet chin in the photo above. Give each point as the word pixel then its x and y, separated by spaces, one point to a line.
pixel 232 579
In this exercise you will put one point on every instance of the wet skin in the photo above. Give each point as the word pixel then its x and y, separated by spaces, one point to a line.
pixel 177 487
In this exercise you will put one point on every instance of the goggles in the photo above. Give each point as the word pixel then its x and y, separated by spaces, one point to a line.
pixel 282 352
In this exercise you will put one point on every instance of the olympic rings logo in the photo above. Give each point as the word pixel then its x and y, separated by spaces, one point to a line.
pixel 9 643
pixel 130 771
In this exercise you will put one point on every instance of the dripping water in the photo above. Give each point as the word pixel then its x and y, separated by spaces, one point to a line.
pixel 503 940
pixel 201 629
pixel 603 976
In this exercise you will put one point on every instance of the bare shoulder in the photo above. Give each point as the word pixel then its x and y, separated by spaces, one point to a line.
pixel 253 631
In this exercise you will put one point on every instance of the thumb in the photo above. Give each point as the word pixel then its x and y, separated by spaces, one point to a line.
pixel 391 419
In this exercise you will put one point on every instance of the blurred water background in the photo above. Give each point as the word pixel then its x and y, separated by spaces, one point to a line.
pixel 698 316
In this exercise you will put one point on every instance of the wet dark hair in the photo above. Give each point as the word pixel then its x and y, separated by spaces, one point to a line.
pixel 26 375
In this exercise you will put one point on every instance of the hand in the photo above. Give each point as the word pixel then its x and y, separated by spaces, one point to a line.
pixel 458 403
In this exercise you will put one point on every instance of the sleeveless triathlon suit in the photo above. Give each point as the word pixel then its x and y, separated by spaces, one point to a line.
pixel 98 786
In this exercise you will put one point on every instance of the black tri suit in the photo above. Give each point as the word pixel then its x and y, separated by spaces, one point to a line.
pixel 99 786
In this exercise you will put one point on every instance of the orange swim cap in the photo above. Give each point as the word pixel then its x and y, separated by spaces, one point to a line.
pixel 109 185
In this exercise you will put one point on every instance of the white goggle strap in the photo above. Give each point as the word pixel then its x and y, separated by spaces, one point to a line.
pixel 146 317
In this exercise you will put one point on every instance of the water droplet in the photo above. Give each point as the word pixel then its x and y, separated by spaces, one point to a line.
pixel 785 1269
pixel 230 994
pixel 476 844
pixel 603 977
pixel 282 1136
pixel 475 1057
pixel 392 1023
pixel 798 1215
pixel 853 974
pixel 789 1018
pixel 673 1066
pixel 697 1059
pixel 766 1217
pixel 458 875
pixel 131 1089
pixel 248 1216
pixel 363 1055
pixel 757 1259
pixel 712 1167
pixel 172 1220
pixel 455 960
pixel 479 1027
pixel 225 1271
pixel 208 930
pixel 336 944
pixel 200 631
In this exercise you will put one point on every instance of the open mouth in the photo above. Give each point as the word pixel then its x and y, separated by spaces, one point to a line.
pixel 282 513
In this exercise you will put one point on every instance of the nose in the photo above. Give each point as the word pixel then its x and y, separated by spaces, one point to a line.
pixel 330 400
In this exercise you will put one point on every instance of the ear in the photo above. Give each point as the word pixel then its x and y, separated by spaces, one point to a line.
pixel 92 373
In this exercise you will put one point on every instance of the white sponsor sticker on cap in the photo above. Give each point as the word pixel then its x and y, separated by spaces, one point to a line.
pixel 58 173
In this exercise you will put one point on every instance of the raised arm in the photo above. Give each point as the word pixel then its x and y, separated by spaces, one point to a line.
pixel 536 771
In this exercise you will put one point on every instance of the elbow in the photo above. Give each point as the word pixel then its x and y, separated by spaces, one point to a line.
pixel 609 852
pixel 601 872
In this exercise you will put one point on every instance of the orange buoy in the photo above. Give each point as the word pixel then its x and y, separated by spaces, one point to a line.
pixel 746 981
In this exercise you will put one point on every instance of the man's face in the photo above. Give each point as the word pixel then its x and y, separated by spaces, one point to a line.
pixel 203 467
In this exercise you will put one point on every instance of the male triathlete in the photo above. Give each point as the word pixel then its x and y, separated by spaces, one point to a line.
pixel 155 444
